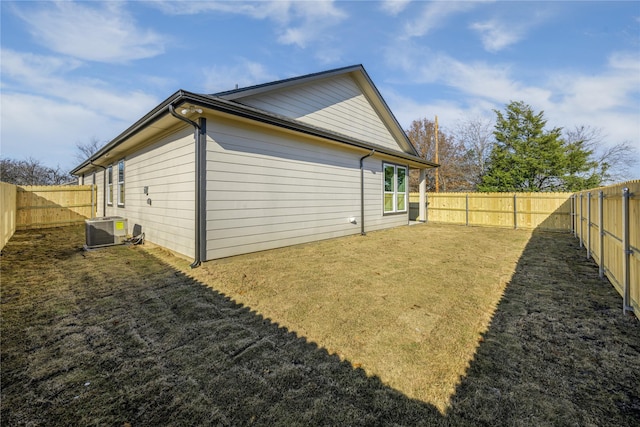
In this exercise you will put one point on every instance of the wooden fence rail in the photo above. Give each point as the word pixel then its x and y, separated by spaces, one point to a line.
pixel 607 222
pixel 549 211
pixel 54 205
pixel 8 211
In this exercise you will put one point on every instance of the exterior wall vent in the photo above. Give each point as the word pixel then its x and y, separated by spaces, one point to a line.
pixel 105 231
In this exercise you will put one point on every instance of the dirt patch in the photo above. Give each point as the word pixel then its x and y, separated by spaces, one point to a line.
pixel 507 328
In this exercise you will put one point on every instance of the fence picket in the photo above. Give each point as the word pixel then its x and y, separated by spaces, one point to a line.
pixel 53 205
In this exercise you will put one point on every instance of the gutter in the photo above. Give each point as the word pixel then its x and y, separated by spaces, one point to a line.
pixel 240 110
pixel 362 232
pixel 154 115
pixel 200 136
pixel 277 120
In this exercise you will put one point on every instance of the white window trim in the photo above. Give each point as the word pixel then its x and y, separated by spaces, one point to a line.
pixel 109 179
pixel 120 184
pixel 395 189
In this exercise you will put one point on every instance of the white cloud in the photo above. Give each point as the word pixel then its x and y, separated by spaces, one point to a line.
pixel 609 100
pixel 449 113
pixel 478 79
pixel 299 22
pixel 107 33
pixel 315 19
pixel 394 7
pixel 244 73
pixel 617 88
pixel 500 32
pixel 26 66
pixel 46 109
pixel 47 76
pixel 434 15
pixel 496 35
pixel 47 129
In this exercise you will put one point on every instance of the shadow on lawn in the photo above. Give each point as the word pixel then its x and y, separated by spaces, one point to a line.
pixel 558 350
pixel 136 341
pixel 128 339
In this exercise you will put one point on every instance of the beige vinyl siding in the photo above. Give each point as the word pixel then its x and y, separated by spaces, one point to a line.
pixel 167 169
pixel 268 189
pixel 336 104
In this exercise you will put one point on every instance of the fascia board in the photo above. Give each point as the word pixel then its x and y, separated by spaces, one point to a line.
pixel 158 112
pixel 374 95
pixel 253 113
pixel 362 78
pixel 240 110
pixel 280 84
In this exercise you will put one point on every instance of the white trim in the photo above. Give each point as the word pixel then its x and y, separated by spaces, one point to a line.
pixel 121 183
pixel 109 185
pixel 394 193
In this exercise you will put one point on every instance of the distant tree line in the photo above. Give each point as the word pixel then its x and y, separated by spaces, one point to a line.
pixel 31 171
pixel 518 153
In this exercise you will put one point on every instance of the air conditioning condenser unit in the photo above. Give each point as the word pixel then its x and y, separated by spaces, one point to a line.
pixel 105 231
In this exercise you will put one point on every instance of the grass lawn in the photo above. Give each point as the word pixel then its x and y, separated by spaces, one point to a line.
pixel 421 325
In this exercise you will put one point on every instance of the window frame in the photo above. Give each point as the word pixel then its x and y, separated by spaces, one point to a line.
pixel 121 181
pixel 109 178
pixel 395 193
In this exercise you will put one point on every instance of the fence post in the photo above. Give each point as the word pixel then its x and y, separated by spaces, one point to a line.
pixel 589 225
pixel 601 229
pixel 580 221
pixel 626 298
pixel 573 214
pixel 467 209
pixel 426 209
pixel 515 211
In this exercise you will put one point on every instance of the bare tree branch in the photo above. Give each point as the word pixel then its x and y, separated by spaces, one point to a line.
pixel 87 149
pixel 614 163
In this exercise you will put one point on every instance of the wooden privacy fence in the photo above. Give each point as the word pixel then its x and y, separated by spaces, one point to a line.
pixel 54 205
pixel 607 222
pixel 548 211
pixel 8 211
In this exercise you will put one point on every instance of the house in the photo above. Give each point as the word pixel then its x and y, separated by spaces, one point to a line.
pixel 282 163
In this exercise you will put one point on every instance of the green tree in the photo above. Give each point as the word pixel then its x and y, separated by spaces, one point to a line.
pixel 527 157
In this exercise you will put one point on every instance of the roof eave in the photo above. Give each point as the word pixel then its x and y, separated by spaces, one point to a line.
pixel 159 111
pixel 263 116
pixel 260 88
pixel 234 94
pixel 241 110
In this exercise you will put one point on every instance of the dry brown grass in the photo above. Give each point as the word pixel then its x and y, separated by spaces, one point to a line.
pixel 479 326
pixel 407 305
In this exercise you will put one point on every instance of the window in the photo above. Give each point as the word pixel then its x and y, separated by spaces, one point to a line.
pixel 395 188
pixel 110 186
pixel 121 183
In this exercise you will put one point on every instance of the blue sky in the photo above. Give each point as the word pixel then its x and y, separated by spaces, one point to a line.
pixel 72 71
